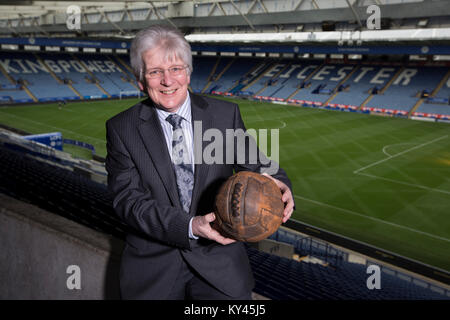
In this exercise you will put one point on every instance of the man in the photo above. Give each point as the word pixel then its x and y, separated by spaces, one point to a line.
pixel 175 253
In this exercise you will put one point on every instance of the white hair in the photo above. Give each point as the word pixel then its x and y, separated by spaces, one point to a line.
pixel 168 38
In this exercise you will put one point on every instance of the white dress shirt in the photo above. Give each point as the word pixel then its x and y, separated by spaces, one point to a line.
pixel 186 125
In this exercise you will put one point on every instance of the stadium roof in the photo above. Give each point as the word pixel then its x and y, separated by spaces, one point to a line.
pixel 246 20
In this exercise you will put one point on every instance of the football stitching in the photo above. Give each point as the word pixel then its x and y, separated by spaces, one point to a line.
pixel 235 199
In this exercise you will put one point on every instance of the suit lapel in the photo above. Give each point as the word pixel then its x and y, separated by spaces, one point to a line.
pixel 200 114
pixel 155 143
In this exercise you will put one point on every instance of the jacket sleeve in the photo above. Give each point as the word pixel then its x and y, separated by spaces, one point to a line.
pixel 134 203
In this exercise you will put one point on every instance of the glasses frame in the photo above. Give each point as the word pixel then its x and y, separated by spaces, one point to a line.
pixel 160 72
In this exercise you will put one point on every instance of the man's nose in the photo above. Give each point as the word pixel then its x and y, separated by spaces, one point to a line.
pixel 166 78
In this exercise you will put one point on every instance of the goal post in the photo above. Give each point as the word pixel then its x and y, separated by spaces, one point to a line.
pixel 129 93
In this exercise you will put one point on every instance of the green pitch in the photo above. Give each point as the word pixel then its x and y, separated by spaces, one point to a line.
pixel 383 181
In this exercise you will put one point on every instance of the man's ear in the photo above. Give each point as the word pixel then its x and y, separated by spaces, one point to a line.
pixel 141 86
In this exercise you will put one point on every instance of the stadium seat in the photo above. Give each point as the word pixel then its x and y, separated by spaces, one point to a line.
pixel 64 76
pixel 77 198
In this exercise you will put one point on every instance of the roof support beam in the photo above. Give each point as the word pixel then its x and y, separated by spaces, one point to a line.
pixel 263 6
pixel 243 16
pixel 355 14
pixel 159 13
pixel 315 5
pixel 10 28
pixel 36 24
pixel 251 7
pixel 149 14
pixel 298 5
pixel 104 15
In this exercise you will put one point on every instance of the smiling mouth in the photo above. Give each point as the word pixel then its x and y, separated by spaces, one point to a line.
pixel 168 92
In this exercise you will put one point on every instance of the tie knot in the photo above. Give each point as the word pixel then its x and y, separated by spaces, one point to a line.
pixel 174 120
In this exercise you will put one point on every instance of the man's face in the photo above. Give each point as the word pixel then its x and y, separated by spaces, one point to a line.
pixel 167 90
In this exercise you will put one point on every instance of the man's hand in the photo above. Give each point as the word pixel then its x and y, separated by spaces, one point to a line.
pixel 286 196
pixel 201 227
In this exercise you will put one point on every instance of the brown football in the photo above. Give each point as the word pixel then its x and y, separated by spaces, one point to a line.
pixel 248 207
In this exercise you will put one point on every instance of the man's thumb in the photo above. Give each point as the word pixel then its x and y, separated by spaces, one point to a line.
pixel 210 217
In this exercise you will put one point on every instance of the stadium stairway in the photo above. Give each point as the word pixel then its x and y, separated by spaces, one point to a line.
pixel 14 95
pixel 438 101
pixel 23 86
pixel 441 84
pixel 415 107
pixel 258 74
pixel 122 63
pixel 216 77
pixel 389 83
pixel 342 82
pixel 233 77
pixel 210 77
pixel 202 71
pixel 225 69
pixel 274 77
pixel 293 94
pixel 246 79
pixel 121 68
pixel 50 71
pixel 30 94
pixel 92 75
pixel 382 90
pixel 405 92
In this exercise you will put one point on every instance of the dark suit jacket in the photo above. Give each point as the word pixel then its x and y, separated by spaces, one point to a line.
pixel 142 179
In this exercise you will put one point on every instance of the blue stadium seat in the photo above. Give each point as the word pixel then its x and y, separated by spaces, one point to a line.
pixel 77 198
pixel 405 91
pixel 307 80
pixel 285 279
pixel 26 68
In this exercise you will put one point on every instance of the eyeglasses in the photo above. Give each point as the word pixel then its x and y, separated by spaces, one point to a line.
pixel 159 73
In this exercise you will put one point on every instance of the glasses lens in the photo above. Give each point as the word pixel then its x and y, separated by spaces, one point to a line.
pixel 176 70
pixel 158 73
pixel 154 73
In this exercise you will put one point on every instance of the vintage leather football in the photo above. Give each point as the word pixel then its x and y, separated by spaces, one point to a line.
pixel 248 207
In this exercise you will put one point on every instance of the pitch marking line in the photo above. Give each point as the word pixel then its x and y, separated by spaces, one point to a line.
pixel 396 155
pixel 390 145
pixel 399 154
pixel 405 183
pixel 284 124
pixel 372 218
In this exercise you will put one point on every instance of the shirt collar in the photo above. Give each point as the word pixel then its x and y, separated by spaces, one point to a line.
pixel 184 111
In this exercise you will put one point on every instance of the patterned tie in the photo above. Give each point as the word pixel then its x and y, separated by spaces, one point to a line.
pixel 181 162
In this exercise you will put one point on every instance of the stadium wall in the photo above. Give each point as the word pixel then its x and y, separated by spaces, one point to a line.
pixel 39 250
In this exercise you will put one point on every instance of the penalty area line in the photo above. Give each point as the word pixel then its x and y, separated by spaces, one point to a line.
pixel 372 218
pixel 399 154
pixel 405 183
